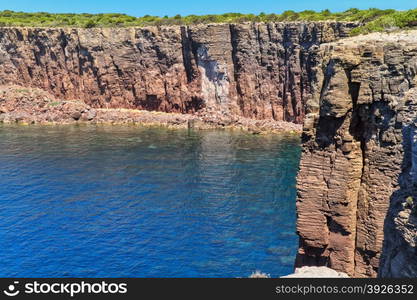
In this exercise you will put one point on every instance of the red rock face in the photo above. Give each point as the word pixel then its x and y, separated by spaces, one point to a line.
pixel 260 71
pixel 357 145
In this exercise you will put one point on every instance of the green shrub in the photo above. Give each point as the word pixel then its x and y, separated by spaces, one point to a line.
pixel 54 103
pixel 89 24
pixel 409 202
pixel 406 19
pixel 371 20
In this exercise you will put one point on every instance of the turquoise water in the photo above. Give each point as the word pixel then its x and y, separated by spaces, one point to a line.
pixel 110 201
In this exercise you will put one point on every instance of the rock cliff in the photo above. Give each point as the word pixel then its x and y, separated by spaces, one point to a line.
pixel 259 71
pixel 359 161
pixel 357 197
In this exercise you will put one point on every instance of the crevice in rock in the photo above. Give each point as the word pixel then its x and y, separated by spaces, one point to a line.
pixel 187 53
pixel 234 41
pixel 336 227
pixel 312 256
pixel 357 130
pixel 326 130
pixel 63 44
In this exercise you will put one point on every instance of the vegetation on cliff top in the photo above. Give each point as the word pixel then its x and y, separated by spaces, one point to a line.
pixel 372 19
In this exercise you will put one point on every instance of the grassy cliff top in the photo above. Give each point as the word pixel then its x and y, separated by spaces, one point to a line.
pixel 372 19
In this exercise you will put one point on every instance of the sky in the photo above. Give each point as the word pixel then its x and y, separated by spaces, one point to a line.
pixel 171 8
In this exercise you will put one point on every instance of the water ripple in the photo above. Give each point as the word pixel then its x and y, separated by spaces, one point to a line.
pixel 110 201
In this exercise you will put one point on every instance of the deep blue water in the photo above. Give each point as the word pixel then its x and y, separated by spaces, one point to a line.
pixel 110 201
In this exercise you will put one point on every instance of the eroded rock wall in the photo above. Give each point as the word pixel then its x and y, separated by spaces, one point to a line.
pixel 253 70
pixel 399 252
pixel 354 155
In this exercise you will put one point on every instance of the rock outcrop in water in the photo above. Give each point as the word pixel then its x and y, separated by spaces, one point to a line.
pixel 259 71
pixel 359 165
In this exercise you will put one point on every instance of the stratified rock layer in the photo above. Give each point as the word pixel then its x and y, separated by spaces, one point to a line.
pixel 358 149
pixel 257 71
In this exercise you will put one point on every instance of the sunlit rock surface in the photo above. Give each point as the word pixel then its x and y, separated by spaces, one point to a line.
pixel 259 71
pixel 356 168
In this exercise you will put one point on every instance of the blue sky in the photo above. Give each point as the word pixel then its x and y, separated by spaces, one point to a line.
pixel 166 7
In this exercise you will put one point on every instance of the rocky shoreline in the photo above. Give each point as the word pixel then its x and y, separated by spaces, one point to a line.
pixel 35 106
